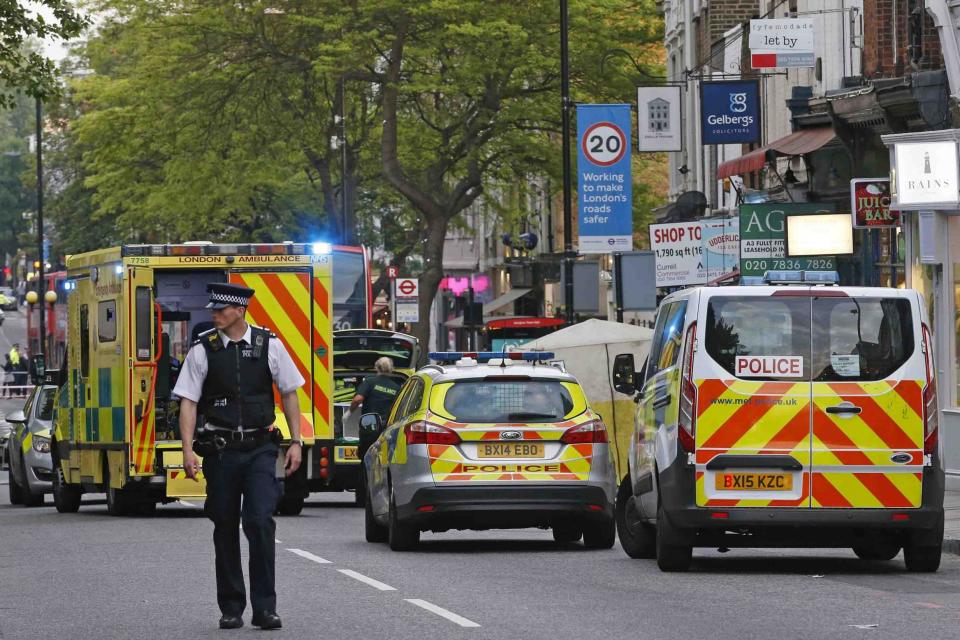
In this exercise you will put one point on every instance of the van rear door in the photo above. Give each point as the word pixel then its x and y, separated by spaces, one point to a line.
pixel 868 379
pixel 752 372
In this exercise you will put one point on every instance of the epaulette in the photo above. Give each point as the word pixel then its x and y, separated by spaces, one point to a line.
pixel 210 338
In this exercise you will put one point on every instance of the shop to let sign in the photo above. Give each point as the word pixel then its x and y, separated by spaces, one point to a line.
pixel 763 239
pixel 782 43
pixel 870 204
pixel 696 252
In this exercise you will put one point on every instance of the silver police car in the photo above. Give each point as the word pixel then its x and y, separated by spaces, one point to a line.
pixel 483 441
pixel 28 448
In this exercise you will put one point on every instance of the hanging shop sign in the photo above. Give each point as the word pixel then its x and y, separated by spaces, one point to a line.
pixel 763 238
pixel 659 119
pixel 604 187
pixel 925 175
pixel 870 204
pixel 687 253
pixel 782 43
pixel 720 240
pixel 730 111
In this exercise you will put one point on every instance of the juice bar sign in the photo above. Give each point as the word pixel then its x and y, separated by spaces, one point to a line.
pixel 730 111
pixel 870 204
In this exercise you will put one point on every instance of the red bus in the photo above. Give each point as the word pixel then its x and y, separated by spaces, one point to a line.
pixel 503 333
pixel 55 319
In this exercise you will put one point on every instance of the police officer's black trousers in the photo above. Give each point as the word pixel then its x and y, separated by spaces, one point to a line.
pixel 248 476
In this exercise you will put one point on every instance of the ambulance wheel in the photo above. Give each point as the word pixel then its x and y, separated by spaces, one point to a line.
pixel 13 486
pixel 400 536
pixel 373 531
pixel 567 532
pixel 670 556
pixel 66 498
pixel 146 507
pixel 118 501
pixel 878 551
pixel 600 535
pixel 639 541
pixel 290 504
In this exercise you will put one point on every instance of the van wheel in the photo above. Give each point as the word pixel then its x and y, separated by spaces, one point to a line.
pixel 400 536
pixel 670 556
pixel 66 498
pixel 638 541
pixel 373 531
pixel 600 535
pixel 878 551
pixel 566 532
pixel 923 555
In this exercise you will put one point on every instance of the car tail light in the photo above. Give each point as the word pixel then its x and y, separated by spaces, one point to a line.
pixel 688 393
pixel 421 432
pixel 592 432
pixel 931 418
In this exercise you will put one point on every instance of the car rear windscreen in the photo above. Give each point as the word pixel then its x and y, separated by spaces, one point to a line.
pixel 860 338
pixel 507 401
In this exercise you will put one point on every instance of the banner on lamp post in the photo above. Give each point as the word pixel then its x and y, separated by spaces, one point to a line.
pixel 604 186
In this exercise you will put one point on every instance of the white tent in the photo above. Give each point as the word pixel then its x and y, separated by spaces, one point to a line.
pixel 587 350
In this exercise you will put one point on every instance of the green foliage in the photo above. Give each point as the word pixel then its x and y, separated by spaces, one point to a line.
pixel 16 195
pixel 22 68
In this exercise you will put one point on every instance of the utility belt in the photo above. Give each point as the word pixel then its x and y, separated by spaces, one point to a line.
pixel 212 439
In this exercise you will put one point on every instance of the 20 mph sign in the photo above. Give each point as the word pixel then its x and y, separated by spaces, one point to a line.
pixel 604 144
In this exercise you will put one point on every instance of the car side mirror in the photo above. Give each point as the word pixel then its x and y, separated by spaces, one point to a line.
pixel 371 424
pixel 17 417
pixel 625 374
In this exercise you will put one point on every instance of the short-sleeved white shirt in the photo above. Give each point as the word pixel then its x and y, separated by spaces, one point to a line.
pixel 194 370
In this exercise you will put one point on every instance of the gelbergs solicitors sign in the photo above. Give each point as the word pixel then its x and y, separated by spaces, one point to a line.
pixel 730 111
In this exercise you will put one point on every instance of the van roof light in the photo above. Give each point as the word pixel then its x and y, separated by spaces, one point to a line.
pixel 801 277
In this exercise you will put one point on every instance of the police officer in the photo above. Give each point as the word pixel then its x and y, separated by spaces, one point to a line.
pixel 229 374
pixel 377 393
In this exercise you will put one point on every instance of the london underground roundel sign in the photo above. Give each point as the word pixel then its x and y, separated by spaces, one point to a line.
pixel 604 144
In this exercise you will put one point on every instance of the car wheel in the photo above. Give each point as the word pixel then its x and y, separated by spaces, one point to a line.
pixel 400 536
pixel 373 531
pixel 600 535
pixel 567 532
pixel 879 551
pixel 30 499
pixel 670 555
pixel 639 541
pixel 66 497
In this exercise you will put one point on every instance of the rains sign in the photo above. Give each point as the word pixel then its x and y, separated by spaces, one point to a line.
pixel 605 193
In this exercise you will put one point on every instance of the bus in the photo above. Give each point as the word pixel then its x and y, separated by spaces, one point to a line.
pixel 352 293
pixel 501 334
pixel 55 319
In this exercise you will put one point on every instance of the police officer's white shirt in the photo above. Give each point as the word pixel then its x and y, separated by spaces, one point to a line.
pixel 194 370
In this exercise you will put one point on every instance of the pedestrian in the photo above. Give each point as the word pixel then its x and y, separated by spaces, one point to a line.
pixel 7 376
pixel 19 364
pixel 376 393
pixel 229 374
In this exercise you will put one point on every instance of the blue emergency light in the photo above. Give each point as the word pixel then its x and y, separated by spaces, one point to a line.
pixel 801 277
pixel 526 356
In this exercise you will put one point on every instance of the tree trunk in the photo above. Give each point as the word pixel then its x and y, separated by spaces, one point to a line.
pixel 430 282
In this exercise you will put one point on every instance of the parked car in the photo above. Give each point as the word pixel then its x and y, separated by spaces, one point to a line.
pixel 8 299
pixel 28 448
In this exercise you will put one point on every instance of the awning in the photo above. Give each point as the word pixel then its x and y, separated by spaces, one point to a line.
pixel 504 300
pixel 797 143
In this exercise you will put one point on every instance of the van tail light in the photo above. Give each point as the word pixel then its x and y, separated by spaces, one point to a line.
pixel 592 432
pixel 931 417
pixel 688 394
pixel 421 432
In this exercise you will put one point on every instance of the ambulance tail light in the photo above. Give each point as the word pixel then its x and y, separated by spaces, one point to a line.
pixel 688 394
pixel 421 432
pixel 931 418
pixel 592 432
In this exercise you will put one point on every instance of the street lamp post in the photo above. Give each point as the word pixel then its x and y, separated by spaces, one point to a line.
pixel 568 254
pixel 40 274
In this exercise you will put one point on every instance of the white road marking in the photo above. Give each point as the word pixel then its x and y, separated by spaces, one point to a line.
pixel 443 613
pixel 309 556
pixel 277 541
pixel 376 584
pixel 189 504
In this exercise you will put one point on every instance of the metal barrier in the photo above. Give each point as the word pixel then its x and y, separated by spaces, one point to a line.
pixel 15 391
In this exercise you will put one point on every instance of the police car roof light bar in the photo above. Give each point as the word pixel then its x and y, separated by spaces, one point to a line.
pixel 526 356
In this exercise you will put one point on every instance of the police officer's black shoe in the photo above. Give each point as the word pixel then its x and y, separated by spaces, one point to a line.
pixel 267 620
pixel 228 621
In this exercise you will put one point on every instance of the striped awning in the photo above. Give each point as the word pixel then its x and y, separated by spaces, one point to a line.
pixel 797 143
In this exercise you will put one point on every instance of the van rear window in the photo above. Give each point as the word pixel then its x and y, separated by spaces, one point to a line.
pixel 860 338
pixel 760 338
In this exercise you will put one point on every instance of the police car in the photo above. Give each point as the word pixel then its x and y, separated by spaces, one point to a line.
pixel 792 414
pixel 28 448
pixel 488 441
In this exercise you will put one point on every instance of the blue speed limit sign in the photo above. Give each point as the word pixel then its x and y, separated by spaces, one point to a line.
pixel 604 144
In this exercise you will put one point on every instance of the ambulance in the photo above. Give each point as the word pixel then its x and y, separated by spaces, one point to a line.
pixel 792 414
pixel 133 313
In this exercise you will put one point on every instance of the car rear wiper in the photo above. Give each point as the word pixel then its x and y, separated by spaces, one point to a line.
pixel 524 415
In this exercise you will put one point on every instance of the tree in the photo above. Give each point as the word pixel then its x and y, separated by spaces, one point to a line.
pixel 22 68
pixel 16 197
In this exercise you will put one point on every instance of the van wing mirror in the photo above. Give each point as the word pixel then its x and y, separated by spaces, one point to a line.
pixel 625 374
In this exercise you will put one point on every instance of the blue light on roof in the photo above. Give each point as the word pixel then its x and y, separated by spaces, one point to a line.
pixel 526 356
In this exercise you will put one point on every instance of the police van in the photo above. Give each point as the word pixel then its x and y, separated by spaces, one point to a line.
pixel 792 414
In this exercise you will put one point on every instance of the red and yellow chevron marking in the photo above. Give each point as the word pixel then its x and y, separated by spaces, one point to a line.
pixel 142 431
pixel 449 465
pixel 285 304
pixel 852 454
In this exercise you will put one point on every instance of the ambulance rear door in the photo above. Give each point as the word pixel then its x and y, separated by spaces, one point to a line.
pixel 752 374
pixel 142 353
pixel 868 383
